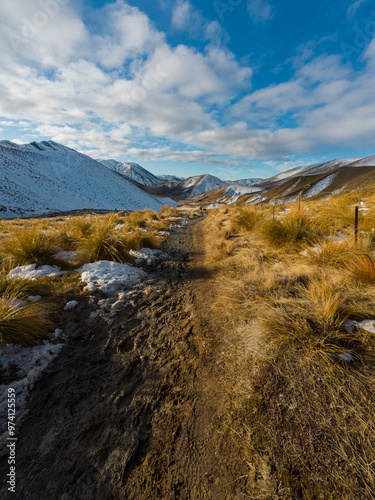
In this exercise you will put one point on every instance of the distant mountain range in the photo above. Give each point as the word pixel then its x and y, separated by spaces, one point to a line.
pixel 46 177
pixel 313 181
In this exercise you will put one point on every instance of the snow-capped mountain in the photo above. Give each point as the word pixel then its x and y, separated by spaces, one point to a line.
pixel 134 173
pixel 47 177
pixel 172 178
pixel 246 182
pixel 198 184
pixel 36 146
pixel 323 179
pixel 320 180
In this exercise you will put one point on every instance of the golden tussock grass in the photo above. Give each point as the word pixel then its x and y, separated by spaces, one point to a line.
pixel 26 325
pixel 301 383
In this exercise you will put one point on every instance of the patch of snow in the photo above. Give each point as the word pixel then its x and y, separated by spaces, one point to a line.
pixel 33 298
pixel 32 272
pixel 345 356
pixel 110 277
pixel 13 303
pixel 71 305
pixel 212 206
pixel 65 255
pixel 30 363
pixel 368 325
pixel 146 255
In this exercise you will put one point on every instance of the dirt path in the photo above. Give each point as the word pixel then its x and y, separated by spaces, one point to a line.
pixel 133 408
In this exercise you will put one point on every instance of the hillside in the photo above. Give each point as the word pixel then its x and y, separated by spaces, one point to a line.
pixel 311 182
pixel 47 177
pixel 133 172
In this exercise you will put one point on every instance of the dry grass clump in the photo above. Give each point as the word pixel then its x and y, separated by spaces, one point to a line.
pixel 30 246
pixel 330 253
pixel 247 218
pixel 293 229
pixel 362 268
pixel 168 211
pixel 312 320
pixel 106 241
pixel 138 219
pixel 22 325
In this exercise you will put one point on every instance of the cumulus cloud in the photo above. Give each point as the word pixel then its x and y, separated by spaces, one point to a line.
pixel 118 88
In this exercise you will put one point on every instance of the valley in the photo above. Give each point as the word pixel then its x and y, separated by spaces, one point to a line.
pixel 220 347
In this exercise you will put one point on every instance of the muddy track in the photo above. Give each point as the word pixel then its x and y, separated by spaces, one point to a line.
pixel 132 408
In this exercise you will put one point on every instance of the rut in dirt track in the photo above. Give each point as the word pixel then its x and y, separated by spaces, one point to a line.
pixel 131 408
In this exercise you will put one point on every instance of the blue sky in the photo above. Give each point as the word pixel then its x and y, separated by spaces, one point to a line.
pixel 235 88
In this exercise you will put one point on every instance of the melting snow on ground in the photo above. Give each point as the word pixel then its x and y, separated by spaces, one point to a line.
pixel 65 255
pixel 212 206
pixel 110 277
pixel 29 364
pixel 33 273
pixel 368 325
pixel 146 255
pixel 71 305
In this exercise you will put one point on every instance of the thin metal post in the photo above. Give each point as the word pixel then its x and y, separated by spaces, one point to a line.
pixel 356 225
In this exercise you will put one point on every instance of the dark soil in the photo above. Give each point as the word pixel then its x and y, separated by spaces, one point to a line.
pixel 134 407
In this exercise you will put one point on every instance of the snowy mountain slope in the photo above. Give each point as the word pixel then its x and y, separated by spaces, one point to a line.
pixel 47 177
pixel 173 178
pixel 134 173
pixel 247 182
pixel 37 146
pixel 226 194
pixel 321 180
pixel 364 162
pixel 198 185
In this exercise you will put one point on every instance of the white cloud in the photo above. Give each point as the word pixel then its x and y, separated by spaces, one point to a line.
pixel 37 31
pixel 128 34
pixel 259 10
pixel 122 87
pixel 183 14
